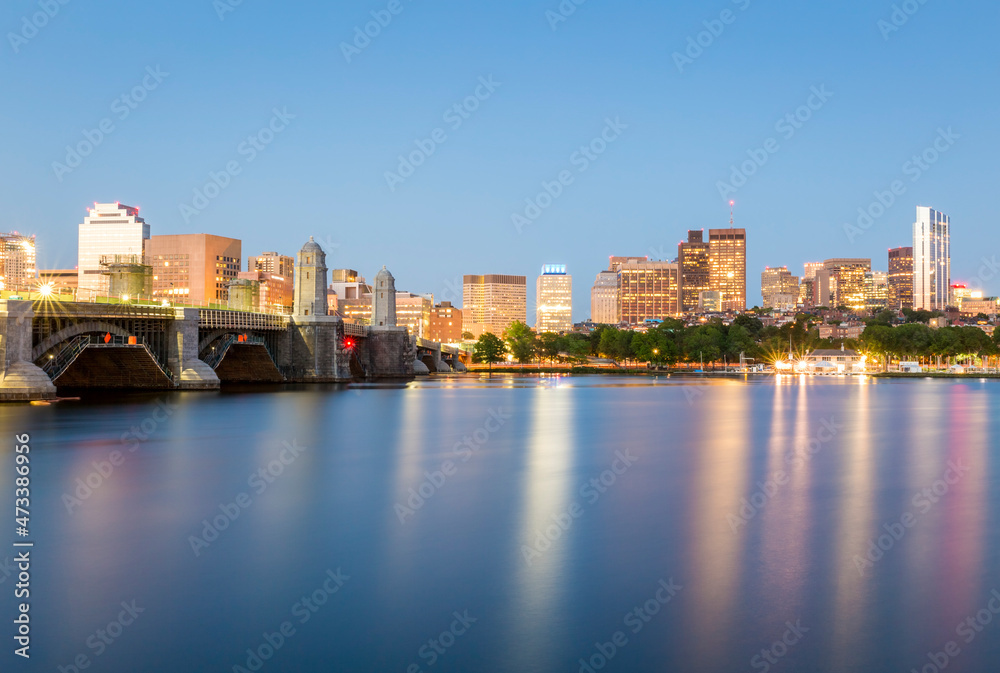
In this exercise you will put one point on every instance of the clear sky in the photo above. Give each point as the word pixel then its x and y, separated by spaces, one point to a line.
pixel 678 126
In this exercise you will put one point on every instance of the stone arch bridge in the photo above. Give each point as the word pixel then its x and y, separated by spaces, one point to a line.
pixel 46 344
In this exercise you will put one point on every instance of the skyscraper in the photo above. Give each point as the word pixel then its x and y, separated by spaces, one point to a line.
pixel 647 290
pixel 931 259
pixel 693 272
pixel 604 299
pixel 554 300
pixel 492 302
pixel 727 262
pixel 109 229
pixel 901 278
pixel 842 283
pixel 779 288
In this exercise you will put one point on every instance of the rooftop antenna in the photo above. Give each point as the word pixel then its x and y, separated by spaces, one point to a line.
pixel 731 204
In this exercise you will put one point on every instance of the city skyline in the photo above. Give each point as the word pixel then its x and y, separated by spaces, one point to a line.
pixel 689 127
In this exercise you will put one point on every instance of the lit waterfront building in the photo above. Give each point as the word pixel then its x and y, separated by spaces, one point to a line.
pixel 492 302
pixel 694 270
pixel 931 260
pixel 193 269
pixel 779 288
pixel 604 299
pixel 901 278
pixel 710 301
pixel 109 229
pixel 554 300
pixel 727 263
pixel 275 294
pixel 17 262
pixel 647 290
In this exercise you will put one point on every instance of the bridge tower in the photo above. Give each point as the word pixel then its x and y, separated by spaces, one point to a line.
pixel 310 281
pixel 384 300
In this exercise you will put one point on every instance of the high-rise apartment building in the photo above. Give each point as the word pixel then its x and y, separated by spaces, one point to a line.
pixel 694 274
pixel 604 299
pixel 17 262
pixel 554 300
pixel 272 262
pixel 779 288
pixel 901 278
pixel 727 262
pixel 110 229
pixel 492 302
pixel 193 269
pixel 931 259
pixel 647 290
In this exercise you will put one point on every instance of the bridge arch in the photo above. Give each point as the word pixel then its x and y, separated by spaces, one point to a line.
pixel 74 330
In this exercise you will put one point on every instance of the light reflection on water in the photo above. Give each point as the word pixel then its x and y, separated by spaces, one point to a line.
pixel 669 516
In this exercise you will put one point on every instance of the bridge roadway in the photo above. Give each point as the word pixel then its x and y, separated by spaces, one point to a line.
pixel 177 344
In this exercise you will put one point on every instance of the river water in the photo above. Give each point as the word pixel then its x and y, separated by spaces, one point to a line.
pixel 515 524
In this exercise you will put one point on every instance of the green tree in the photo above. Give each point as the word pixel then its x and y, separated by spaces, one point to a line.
pixel 489 349
pixel 467 336
pixel 521 341
pixel 750 323
pixel 549 345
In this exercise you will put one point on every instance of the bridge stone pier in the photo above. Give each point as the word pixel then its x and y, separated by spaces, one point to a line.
pixel 20 379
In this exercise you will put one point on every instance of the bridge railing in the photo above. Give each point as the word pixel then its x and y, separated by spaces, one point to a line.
pixel 219 319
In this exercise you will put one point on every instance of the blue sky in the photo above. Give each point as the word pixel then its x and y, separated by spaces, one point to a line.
pixel 345 120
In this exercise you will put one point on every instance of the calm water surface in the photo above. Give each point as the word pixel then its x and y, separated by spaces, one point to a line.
pixel 730 514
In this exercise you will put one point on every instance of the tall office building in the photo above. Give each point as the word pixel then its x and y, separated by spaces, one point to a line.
pixel 17 262
pixel 604 299
pixel 445 324
pixel 647 290
pixel 842 283
pixel 492 302
pixel 615 262
pixel 779 288
pixel 931 260
pixel 810 270
pixel 900 278
pixel 694 275
pixel 876 291
pixel 193 269
pixel 554 300
pixel 727 262
pixel 110 229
